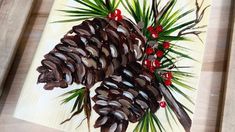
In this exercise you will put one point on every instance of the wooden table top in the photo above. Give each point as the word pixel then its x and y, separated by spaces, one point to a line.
pixel 209 101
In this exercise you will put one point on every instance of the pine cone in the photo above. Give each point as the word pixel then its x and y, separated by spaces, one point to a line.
pixel 125 96
pixel 91 52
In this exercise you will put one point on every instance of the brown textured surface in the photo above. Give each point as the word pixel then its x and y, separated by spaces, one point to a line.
pixel 13 18
pixel 208 105
pixel 228 116
pixel 90 52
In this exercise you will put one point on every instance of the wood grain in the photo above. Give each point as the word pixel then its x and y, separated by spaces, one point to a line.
pixel 208 105
pixel 228 116
pixel 13 17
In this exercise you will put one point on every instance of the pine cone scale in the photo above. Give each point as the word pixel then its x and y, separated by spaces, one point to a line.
pixel 92 51
pixel 123 89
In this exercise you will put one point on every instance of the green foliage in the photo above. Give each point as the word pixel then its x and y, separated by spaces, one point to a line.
pixel 149 123
pixel 89 9
pixel 170 115
pixel 174 30
pixel 178 82
pixel 78 96
pixel 141 12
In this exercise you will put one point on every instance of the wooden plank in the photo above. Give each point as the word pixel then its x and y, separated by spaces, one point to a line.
pixel 228 116
pixel 13 17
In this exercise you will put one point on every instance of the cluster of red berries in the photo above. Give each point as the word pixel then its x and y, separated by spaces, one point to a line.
pixel 154 32
pixel 116 15
pixel 167 78
pixel 153 65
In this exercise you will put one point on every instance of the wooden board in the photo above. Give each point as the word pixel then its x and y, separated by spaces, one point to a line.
pixel 50 113
pixel 13 17
pixel 228 116
pixel 207 106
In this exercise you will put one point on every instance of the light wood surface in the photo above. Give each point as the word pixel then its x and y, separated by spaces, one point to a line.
pixel 228 116
pixel 208 105
pixel 13 17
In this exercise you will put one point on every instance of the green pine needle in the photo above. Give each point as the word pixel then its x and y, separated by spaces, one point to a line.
pixel 73 94
pixel 91 9
pixel 141 12
pixel 182 84
pixel 172 115
pixel 168 119
pixel 79 96
pixel 178 90
pixel 149 123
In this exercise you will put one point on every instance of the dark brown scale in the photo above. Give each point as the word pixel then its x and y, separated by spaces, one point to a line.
pixel 121 97
pixel 90 52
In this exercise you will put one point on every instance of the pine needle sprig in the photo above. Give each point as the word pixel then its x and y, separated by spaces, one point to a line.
pixel 140 12
pixel 170 20
pixel 149 123
pixel 78 106
pixel 177 86
pixel 90 9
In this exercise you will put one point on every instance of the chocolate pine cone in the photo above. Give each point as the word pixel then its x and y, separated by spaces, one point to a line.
pixel 91 52
pixel 125 97
pixel 109 51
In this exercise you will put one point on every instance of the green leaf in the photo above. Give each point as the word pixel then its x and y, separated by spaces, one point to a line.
pixel 159 124
pixel 116 3
pixel 181 54
pixel 91 5
pixel 90 9
pixel 168 119
pixel 165 17
pixel 172 115
pixel 70 92
pixel 78 104
pixel 173 87
pixel 141 12
pixel 174 80
pixel 172 38
pixel 152 126
pixel 137 128
pixel 72 20
pixel 182 74
pixel 81 12
pixel 146 123
pixel 73 94
pixel 149 123
pixel 177 27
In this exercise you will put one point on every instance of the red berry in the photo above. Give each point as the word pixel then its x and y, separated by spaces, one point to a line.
pixel 166 45
pixel 159 53
pixel 147 63
pixel 168 82
pixel 152 69
pixel 167 75
pixel 149 51
pixel 117 12
pixel 150 29
pixel 162 104
pixel 118 18
pixel 156 64
pixel 159 28
pixel 154 35
pixel 111 15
